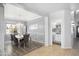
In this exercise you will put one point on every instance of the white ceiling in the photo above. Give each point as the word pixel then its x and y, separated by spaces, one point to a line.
pixel 13 12
pixel 34 10
pixel 43 8
pixel 47 8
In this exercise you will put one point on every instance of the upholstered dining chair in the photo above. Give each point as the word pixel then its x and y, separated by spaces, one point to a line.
pixel 14 40
pixel 22 42
pixel 25 41
pixel 12 37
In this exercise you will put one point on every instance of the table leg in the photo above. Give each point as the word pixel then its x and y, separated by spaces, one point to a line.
pixel 30 42
pixel 18 43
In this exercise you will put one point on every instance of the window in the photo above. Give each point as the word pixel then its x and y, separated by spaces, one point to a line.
pixel 10 28
pixel 33 27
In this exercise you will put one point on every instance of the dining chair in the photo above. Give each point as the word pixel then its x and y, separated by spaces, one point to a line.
pixel 15 40
pixel 12 37
pixel 22 42
pixel 26 40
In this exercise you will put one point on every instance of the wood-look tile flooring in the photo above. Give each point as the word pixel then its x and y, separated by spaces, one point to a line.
pixel 11 50
pixel 54 50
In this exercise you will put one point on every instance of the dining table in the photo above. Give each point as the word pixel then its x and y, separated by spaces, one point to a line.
pixel 19 37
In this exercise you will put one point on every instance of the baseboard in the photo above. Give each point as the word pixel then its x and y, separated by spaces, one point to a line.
pixel 38 41
pixel 66 47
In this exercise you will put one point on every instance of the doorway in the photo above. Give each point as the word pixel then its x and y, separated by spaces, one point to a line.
pixel 56 33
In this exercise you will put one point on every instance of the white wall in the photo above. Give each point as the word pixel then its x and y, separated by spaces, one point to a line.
pixel 2 31
pixel 46 31
pixel 66 30
pixel 37 34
